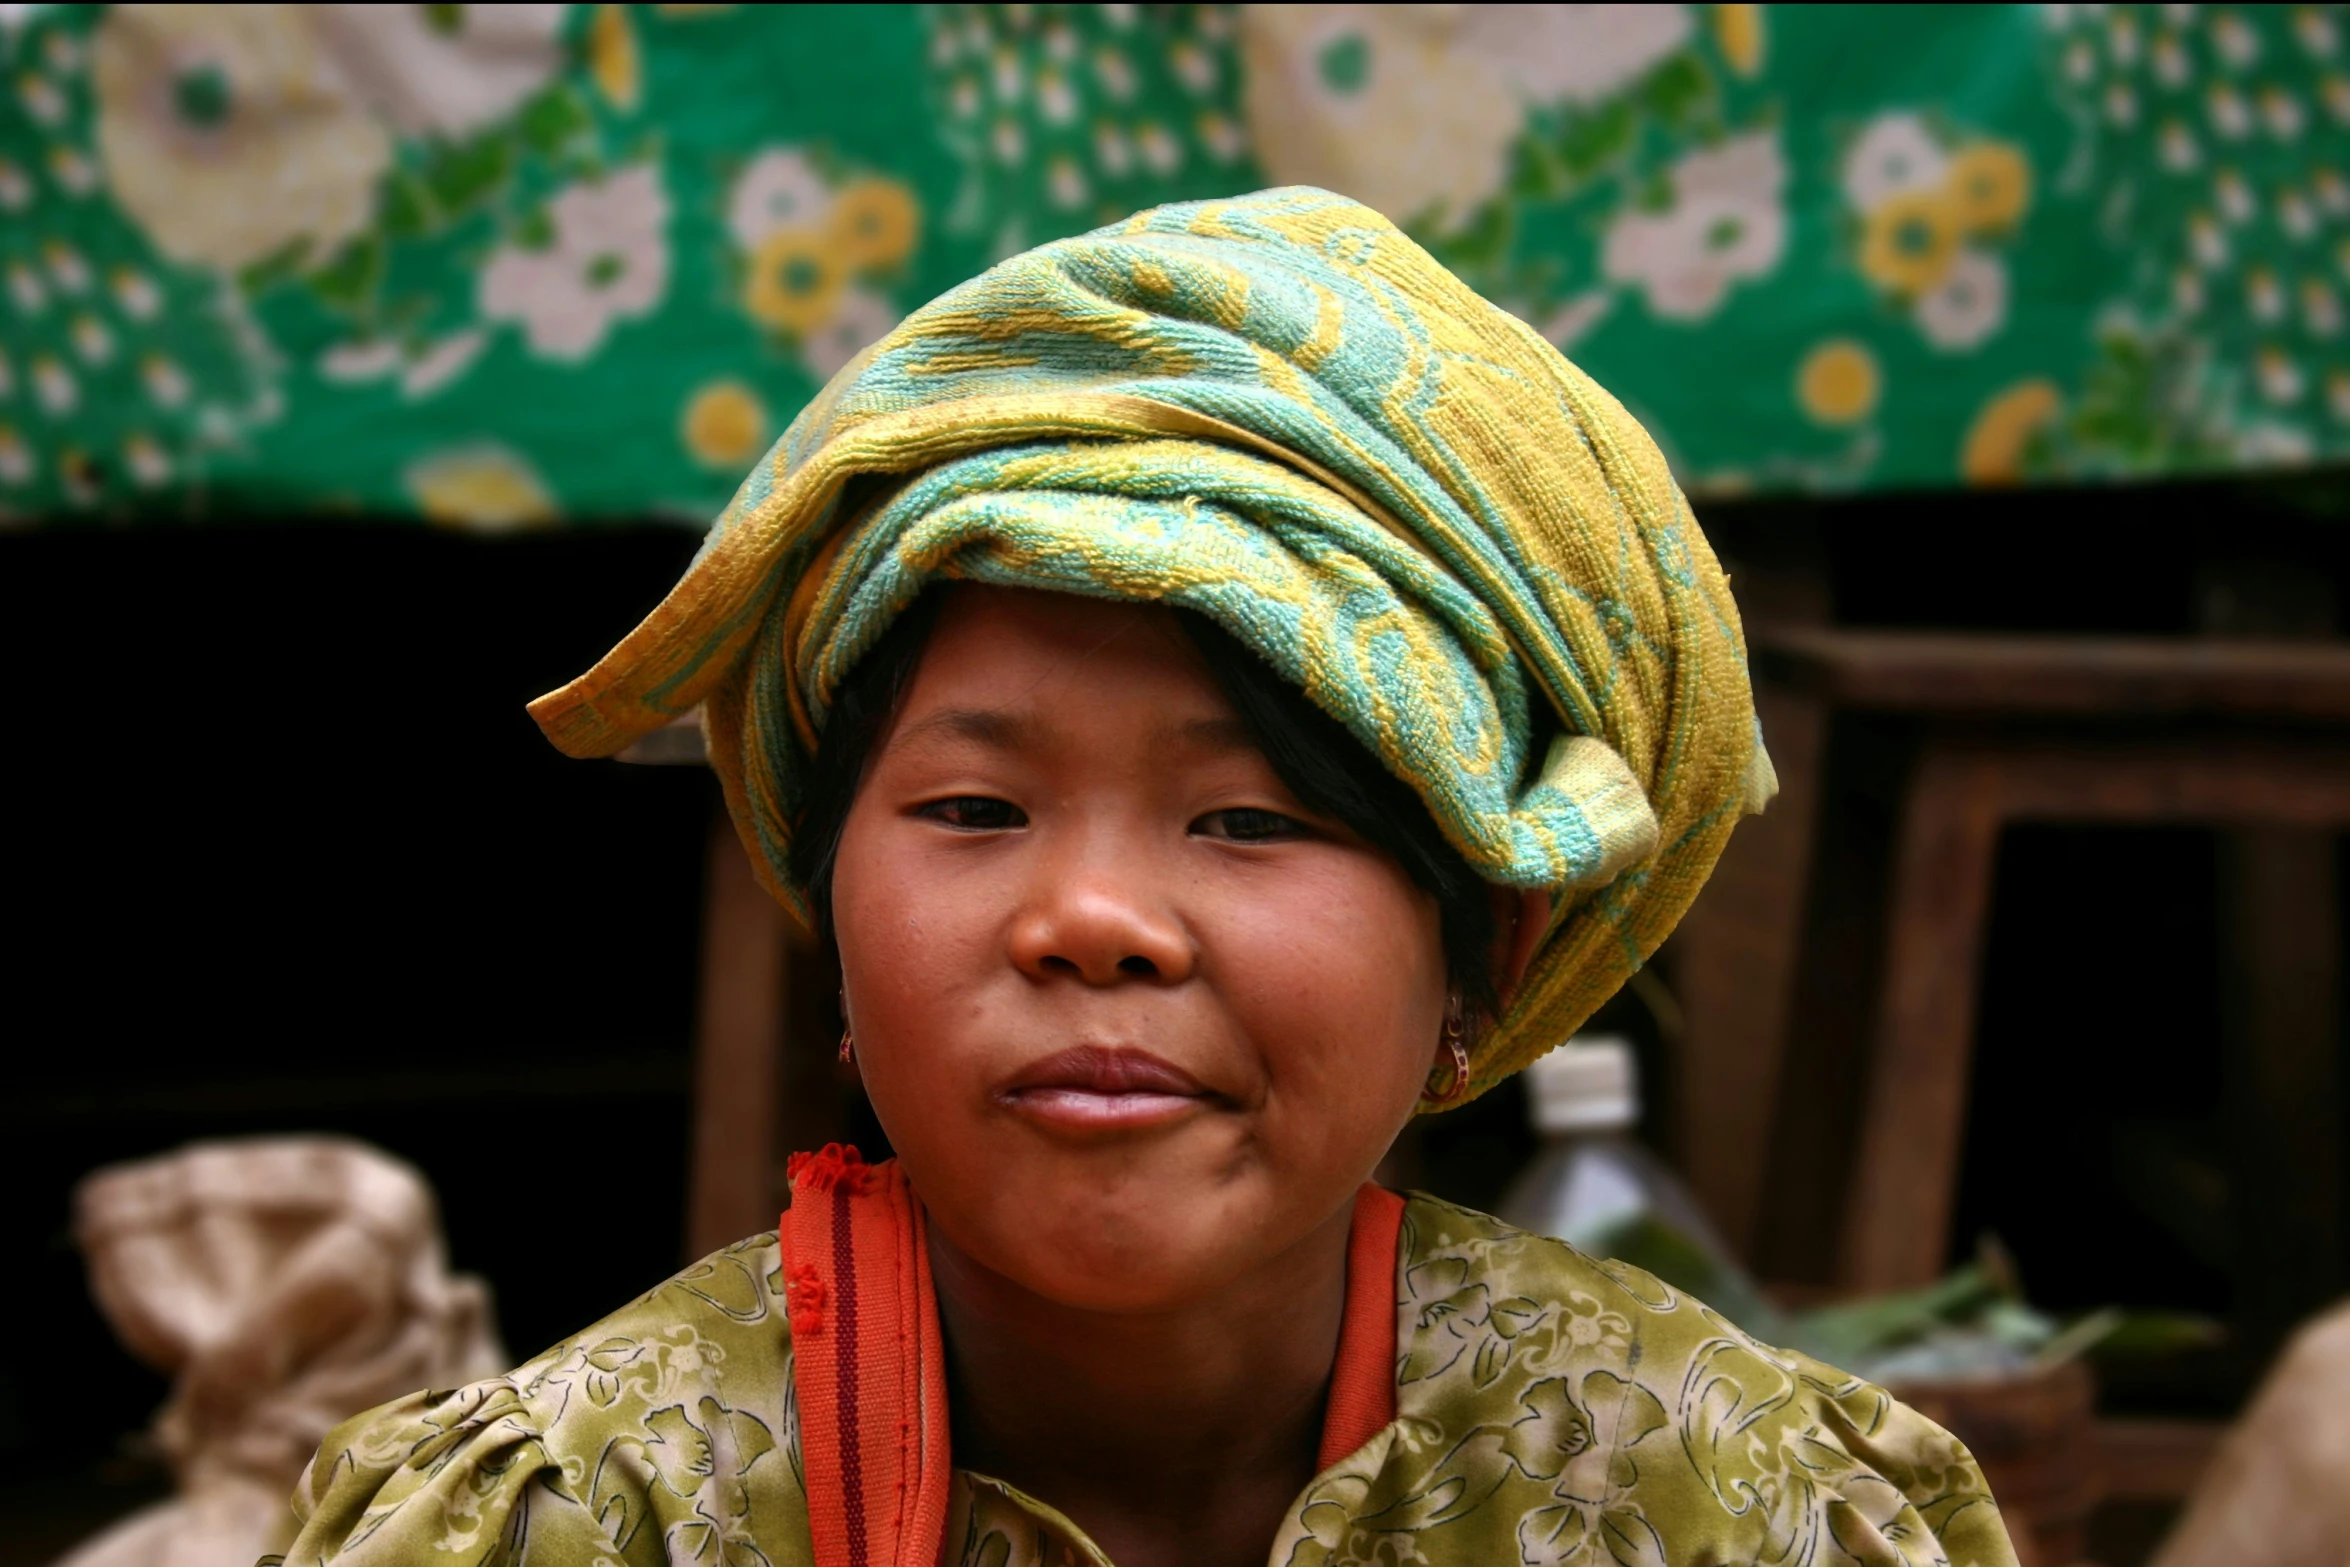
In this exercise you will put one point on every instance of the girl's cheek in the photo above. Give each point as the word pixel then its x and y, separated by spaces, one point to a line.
pixel 1337 976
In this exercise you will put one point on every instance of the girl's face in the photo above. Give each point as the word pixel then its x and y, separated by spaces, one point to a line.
pixel 1135 1021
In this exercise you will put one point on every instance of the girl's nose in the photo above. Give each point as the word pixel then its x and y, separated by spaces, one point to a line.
pixel 1098 918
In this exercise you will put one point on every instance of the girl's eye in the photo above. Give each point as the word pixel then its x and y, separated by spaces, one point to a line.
pixel 976 813
pixel 1246 824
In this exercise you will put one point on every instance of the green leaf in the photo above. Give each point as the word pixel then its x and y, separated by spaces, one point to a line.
pixel 1845 1333
pixel 1678 87
pixel 534 230
pixel 261 276
pixel 553 119
pixel 1590 142
pixel 408 207
pixel 1534 177
pixel 350 280
pixel 1654 1245
pixel 2054 1348
pixel 1484 240
pixel 2138 1333
pixel 463 177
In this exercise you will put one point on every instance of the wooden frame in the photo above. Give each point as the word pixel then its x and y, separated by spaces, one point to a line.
pixel 1965 789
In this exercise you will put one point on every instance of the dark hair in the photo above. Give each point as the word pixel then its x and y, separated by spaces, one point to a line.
pixel 1328 770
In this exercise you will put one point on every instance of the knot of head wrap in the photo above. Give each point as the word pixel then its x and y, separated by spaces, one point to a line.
pixel 1281 413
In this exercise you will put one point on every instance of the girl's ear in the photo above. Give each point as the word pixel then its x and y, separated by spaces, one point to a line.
pixel 1520 916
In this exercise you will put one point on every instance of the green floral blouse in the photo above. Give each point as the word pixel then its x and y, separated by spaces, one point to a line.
pixel 1551 1408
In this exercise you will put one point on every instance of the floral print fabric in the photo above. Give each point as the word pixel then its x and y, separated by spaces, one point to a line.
pixel 1552 1410
pixel 501 265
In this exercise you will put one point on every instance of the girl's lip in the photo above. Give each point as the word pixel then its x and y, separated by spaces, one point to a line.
pixel 1081 1110
pixel 1105 1069
pixel 1093 1088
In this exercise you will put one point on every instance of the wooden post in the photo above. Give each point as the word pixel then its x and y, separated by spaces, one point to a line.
pixel 1897 1222
pixel 2281 1018
pixel 738 1052
pixel 1733 960
pixel 1734 968
pixel 2282 1052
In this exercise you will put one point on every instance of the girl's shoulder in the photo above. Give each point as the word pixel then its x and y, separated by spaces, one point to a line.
pixel 1547 1400
pixel 666 1427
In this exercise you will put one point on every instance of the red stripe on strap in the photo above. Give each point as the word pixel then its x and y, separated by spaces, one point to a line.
pixel 868 1363
pixel 1362 1383
pixel 844 1374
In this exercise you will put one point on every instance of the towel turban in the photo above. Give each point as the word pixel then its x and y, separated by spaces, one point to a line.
pixel 1280 412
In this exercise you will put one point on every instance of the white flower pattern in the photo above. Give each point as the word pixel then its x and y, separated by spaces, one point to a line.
pixel 861 320
pixel 230 132
pixel 443 70
pixel 778 189
pixel 1968 305
pixel 1412 109
pixel 1895 156
pixel 608 261
pixel 1726 222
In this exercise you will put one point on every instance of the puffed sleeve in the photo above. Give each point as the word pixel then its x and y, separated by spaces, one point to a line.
pixel 465 1478
pixel 662 1433
pixel 1759 1453
pixel 1561 1410
pixel 1893 1487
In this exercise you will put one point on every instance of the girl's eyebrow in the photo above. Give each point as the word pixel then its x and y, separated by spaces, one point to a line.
pixel 987 726
pixel 1211 734
pixel 999 730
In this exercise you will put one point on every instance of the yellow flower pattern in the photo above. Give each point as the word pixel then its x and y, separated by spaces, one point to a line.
pixel 795 280
pixel 1990 185
pixel 1910 241
pixel 1739 32
pixel 725 425
pixel 1838 383
pixel 613 59
pixel 1934 210
pixel 481 489
pixel 875 222
pixel 2000 437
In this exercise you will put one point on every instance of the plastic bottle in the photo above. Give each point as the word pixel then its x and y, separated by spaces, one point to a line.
pixel 1596 1188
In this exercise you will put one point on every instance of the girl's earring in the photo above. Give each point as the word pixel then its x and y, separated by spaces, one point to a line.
pixel 848 1040
pixel 1456 1031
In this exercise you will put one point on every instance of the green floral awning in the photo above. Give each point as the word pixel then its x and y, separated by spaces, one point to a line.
pixel 498 265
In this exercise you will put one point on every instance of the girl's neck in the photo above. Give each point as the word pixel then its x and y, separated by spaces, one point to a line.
pixel 1174 1437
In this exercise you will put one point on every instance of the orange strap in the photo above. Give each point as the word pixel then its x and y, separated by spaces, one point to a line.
pixel 1362 1383
pixel 868 1365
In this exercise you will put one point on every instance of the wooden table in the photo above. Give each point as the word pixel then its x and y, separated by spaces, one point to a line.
pixel 2254 736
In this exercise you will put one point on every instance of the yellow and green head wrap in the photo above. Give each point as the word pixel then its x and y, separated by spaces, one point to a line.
pixel 1280 412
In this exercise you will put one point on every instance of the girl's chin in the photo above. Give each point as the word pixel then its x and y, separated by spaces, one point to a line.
pixel 1138 1289
pixel 1158 1238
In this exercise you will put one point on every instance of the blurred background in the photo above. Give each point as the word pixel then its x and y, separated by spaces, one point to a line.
pixel 366 371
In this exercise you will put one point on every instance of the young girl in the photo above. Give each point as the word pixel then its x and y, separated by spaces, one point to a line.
pixel 1224 687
